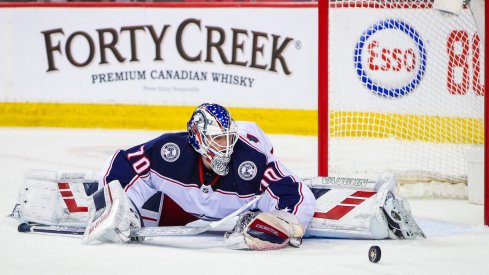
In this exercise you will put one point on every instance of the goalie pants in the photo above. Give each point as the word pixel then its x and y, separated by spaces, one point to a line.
pixel 161 210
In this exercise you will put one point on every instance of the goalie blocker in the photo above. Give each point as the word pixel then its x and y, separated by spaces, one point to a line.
pixel 112 215
pixel 345 208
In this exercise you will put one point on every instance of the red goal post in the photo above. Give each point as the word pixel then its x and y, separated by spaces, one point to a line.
pixel 362 56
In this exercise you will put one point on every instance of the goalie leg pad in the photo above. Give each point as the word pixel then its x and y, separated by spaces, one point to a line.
pixel 54 198
pixel 362 213
pixel 111 216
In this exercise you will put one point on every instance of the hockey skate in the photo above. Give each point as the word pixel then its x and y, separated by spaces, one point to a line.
pixel 400 222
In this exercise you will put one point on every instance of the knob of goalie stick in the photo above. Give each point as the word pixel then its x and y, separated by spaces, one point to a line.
pixel 374 254
pixel 24 227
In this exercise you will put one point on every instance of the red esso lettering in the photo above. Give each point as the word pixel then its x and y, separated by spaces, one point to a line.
pixel 459 49
pixel 384 59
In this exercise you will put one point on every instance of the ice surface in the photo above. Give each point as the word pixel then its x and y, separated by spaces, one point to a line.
pixel 457 242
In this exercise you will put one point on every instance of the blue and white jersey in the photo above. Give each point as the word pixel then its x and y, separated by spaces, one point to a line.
pixel 169 164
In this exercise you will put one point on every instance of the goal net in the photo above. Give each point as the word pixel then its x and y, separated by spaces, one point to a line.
pixel 405 93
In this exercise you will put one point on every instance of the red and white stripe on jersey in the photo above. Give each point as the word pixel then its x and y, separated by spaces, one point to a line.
pixel 173 180
pixel 109 168
pixel 234 194
pixel 136 177
pixel 296 208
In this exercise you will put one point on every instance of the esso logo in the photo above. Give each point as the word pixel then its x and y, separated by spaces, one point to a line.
pixel 390 58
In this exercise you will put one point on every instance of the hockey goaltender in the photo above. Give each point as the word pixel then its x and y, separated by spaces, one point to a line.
pixel 217 172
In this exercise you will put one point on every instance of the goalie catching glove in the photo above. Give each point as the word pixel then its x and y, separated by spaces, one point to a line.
pixel 265 231
pixel 111 216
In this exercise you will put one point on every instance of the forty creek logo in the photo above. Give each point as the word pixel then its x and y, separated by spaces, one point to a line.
pixel 390 58
pixel 238 47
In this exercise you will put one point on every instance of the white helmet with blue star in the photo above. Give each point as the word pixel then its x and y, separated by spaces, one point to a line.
pixel 213 134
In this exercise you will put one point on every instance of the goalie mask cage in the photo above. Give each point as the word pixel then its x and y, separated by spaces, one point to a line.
pixel 401 88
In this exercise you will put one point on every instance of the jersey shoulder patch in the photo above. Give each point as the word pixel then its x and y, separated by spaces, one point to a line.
pixel 247 170
pixel 170 146
pixel 170 152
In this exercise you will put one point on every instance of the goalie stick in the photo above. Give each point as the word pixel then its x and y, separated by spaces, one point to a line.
pixel 188 230
pixel 140 232
pixel 50 229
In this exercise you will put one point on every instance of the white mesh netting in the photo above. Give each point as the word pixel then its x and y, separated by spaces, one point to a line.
pixel 405 93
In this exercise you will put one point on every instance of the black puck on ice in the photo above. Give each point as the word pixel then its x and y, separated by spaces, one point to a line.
pixel 374 254
pixel 24 227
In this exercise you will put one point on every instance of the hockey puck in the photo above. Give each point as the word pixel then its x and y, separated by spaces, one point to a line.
pixel 374 254
pixel 24 227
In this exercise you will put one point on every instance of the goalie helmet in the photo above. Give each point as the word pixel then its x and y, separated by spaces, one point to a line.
pixel 213 133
